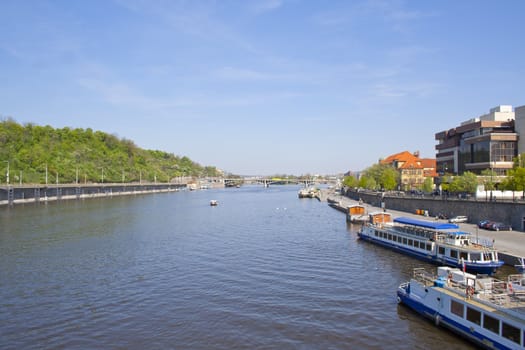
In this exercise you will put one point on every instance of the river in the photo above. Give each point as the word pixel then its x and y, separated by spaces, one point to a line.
pixel 262 270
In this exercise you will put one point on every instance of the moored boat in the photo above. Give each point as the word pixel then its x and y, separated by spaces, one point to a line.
pixel 356 214
pixel 482 309
pixel 436 242
pixel 214 202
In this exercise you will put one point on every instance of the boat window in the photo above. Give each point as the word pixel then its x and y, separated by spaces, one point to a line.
pixel 463 255
pixel 410 242
pixel 375 233
pixel 453 253
pixel 510 332
pixel 404 241
pixel 416 244
pixel 429 247
pixel 491 323
pixel 441 250
pixel 473 316
pixel 475 256
pixel 456 308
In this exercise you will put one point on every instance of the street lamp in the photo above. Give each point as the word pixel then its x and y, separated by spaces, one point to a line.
pixel 491 181
pixel 7 172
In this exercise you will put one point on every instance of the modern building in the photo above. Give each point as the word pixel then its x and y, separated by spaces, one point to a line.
pixel 412 170
pixel 519 126
pixel 486 142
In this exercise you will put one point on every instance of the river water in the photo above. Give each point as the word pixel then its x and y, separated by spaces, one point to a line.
pixel 262 270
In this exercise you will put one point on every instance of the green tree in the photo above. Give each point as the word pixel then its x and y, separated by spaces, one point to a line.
pixel 465 183
pixel 428 185
pixel 384 176
pixel 350 181
pixel 389 178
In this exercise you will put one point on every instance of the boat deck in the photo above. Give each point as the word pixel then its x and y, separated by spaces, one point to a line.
pixel 490 294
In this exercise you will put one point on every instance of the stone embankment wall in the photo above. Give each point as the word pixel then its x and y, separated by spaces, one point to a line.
pixel 36 193
pixel 510 212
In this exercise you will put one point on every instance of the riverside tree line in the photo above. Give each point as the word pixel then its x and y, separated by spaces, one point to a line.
pixel 385 177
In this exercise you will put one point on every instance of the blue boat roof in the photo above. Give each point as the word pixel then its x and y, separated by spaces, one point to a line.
pixel 426 224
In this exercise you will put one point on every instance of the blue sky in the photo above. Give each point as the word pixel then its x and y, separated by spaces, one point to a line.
pixel 262 87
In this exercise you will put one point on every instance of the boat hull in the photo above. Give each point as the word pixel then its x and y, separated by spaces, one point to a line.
pixel 441 320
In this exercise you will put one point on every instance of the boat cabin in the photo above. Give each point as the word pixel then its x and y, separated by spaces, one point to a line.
pixel 380 218
pixel 356 209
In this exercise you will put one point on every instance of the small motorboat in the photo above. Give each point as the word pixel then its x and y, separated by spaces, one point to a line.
pixel 213 202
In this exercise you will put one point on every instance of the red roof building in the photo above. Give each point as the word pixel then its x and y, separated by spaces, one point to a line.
pixel 413 171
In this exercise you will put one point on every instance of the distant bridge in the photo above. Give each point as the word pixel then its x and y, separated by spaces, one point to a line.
pixel 267 181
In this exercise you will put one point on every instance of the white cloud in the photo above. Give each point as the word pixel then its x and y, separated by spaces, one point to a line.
pixel 267 5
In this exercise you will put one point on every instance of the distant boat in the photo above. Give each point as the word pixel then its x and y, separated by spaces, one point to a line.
pixel 214 202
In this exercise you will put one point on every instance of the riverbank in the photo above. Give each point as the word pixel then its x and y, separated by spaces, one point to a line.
pixel 11 195
pixel 510 244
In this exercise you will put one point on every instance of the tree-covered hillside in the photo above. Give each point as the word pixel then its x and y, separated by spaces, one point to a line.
pixel 83 154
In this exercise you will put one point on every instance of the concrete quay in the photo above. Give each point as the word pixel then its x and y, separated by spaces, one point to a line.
pixel 510 244
pixel 11 195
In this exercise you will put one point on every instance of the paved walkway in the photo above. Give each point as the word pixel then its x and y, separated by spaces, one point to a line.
pixel 509 242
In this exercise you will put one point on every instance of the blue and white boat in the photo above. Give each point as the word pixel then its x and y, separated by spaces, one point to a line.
pixel 436 242
pixel 484 310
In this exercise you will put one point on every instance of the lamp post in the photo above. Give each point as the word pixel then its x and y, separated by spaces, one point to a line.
pixel 491 181
pixel 7 172
pixel 102 175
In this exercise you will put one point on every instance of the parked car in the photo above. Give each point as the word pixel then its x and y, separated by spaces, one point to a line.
pixel 482 223
pixel 499 226
pixel 487 224
pixel 458 219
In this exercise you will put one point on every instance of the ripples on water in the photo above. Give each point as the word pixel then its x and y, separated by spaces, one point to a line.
pixel 262 270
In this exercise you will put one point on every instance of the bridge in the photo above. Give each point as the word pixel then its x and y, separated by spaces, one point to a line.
pixel 266 181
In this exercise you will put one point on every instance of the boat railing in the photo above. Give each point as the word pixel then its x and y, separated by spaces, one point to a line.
pixel 423 276
pixel 486 290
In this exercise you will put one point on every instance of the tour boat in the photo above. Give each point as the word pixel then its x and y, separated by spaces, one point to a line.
pixel 482 309
pixel 436 242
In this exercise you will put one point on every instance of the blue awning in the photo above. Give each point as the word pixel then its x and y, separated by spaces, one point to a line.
pixel 426 224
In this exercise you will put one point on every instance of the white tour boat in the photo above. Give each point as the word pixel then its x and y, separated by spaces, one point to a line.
pixel 482 309
pixel 436 242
